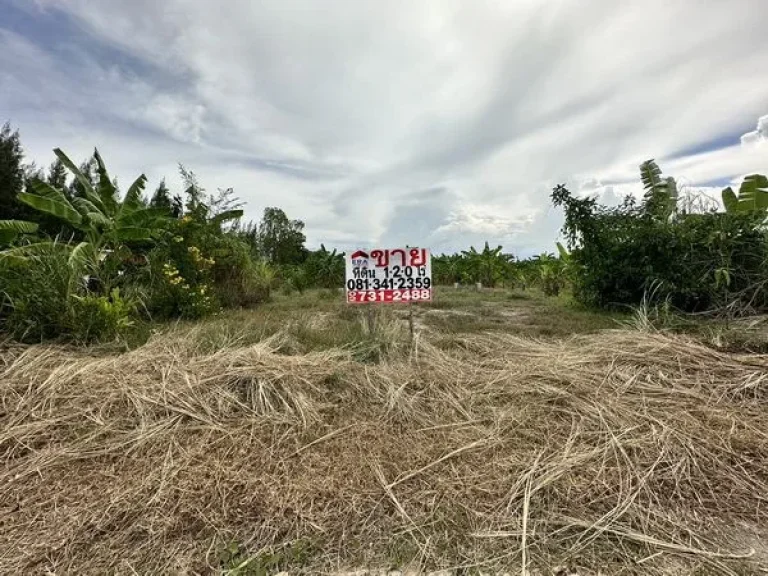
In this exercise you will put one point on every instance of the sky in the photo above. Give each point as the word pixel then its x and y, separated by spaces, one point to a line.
pixel 438 123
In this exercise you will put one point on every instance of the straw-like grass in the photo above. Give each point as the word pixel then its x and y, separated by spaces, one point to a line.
pixel 621 453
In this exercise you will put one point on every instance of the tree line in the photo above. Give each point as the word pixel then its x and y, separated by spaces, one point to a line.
pixel 82 258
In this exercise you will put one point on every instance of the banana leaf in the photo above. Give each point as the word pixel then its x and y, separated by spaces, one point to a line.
pixel 81 178
pixel 51 201
pixel 107 190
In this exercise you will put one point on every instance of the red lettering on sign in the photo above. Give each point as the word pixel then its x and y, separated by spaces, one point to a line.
pixel 381 257
pixel 418 256
pixel 388 296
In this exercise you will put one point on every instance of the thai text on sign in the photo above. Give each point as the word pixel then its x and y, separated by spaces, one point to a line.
pixel 389 276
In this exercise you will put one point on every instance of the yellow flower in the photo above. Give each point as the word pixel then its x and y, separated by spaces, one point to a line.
pixel 170 271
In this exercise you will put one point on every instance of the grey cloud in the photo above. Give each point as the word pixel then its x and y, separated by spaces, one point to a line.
pixel 360 115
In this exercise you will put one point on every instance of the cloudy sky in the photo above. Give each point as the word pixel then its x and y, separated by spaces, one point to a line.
pixel 429 122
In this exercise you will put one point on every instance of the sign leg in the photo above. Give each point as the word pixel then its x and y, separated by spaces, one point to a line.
pixel 410 319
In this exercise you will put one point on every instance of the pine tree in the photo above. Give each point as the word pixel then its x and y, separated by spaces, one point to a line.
pixel 11 174
pixel 57 175
pixel 161 198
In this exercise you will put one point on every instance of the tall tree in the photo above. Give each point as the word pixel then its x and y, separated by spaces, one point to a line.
pixel 11 173
pixel 281 239
pixel 161 199
pixel 57 175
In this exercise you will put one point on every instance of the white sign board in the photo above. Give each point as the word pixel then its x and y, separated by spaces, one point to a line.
pixel 389 276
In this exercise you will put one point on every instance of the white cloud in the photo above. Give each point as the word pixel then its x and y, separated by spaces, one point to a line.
pixel 757 136
pixel 444 123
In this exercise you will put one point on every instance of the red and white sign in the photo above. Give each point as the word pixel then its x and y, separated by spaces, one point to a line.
pixel 389 276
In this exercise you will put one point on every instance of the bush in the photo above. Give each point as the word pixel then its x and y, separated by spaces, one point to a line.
pixel 102 318
pixel 695 261
pixel 238 280
pixel 34 302
pixel 197 268
pixel 44 296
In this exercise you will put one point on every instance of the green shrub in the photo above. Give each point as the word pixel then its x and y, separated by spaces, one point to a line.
pixel 101 318
pixel 239 281
pixel 197 268
pixel 694 261
pixel 34 298
pixel 46 295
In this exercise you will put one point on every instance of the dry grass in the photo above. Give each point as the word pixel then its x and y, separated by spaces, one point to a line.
pixel 621 452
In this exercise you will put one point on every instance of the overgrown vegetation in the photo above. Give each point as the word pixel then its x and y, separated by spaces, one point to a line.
pixel 81 259
pixel 512 430
pixel 695 261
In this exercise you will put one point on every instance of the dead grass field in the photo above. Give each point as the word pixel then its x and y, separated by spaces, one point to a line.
pixel 514 434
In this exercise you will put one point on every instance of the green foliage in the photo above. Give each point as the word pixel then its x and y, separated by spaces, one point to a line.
pixel 752 197
pixel 53 202
pixel 46 294
pixel 552 273
pixel 10 230
pixel 34 297
pixel 182 277
pixel 280 239
pixel 694 261
pixel 168 259
pixel 660 200
pixel 97 212
pixel 324 269
pixel 11 174
pixel 488 266
pixel 199 265
pixel 100 318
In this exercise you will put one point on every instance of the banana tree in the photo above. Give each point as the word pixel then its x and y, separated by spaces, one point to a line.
pixel 487 266
pixel 752 197
pixel 330 267
pixel 108 223
pixel 552 270
pixel 660 192
pixel 105 220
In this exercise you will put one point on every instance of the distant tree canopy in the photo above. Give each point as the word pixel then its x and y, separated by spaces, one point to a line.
pixel 57 175
pixel 162 200
pixel 11 174
pixel 281 240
